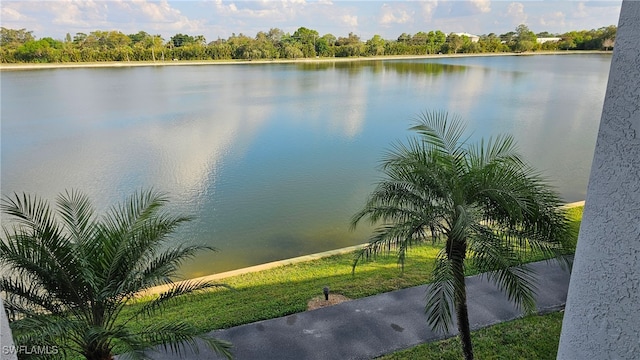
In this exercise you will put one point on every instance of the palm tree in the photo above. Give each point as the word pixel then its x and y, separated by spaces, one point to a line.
pixel 488 206
pixel 68 275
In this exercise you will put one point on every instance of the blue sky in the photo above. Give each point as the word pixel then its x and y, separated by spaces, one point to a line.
pixel 221 18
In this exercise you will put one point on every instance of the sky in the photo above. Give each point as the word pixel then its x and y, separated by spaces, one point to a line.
pixel 220 18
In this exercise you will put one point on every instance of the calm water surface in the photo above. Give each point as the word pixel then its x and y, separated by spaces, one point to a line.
pixel 274 159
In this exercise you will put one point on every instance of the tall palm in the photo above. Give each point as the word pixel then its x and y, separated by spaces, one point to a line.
pixel 486 204
pixel 68 275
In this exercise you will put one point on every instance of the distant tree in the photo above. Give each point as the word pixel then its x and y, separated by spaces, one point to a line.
pixel 79 39
pixel 608 36
pixel 34 51
pixel 508 37
pixel 419 38
pixel 350 46
pixel 275 35
pixel 305 36
pixel 545 34
pixel 10 37
pixel 293 52
pixel 140 36
pixel 155 43
pixel 492 43
pixel 454 43
pixel 566 43
pixel 331 40
pixel 375 46
pixel 69 275
pixel 179 40
pixel 435 41
pixel 525 39
pixel 200 40
pixel 322 47
pixel 404 37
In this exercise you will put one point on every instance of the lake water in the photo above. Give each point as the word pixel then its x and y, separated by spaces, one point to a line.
pixel 274 159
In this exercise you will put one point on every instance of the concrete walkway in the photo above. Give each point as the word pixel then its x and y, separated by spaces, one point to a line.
pixel 369 327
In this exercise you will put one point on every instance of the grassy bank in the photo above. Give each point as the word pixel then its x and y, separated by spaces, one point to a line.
pixel 286 290
pixel 532 337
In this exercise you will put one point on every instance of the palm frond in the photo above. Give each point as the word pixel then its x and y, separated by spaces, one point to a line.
pixel 68 274
pixel 76 212
pixel 39 251
pixel 174 293
pixel 440 298
pixel 179 336
pixel 441 131
pixel 482 197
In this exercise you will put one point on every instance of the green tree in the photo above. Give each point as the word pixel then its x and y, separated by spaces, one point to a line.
pixel 179 40
pixel 375 46
pixel 525 39
pixel 404 37
pixel 35 51
pixel 69 274
pixel 140 36
pixel 608 36
pixel 435 41
pixel 349 46
pixel 481 200
pixel 454 43
pixel 492 43
pixel 11 37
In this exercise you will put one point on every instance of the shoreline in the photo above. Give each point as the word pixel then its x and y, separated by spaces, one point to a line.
pixel 290 261
pixel 123 64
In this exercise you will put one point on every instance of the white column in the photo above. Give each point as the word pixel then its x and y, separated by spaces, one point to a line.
pixel 602 317
pixel 7 349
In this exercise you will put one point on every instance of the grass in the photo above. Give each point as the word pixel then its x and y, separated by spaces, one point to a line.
pixel 286 290
pixel 531 337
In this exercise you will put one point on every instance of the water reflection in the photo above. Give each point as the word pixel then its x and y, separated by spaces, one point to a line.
pixel 407 67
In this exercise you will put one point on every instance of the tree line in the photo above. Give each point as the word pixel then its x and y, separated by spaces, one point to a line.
pixel 20 45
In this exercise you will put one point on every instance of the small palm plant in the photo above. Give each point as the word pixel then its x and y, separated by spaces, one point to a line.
pixel 68 275
pixel 486 204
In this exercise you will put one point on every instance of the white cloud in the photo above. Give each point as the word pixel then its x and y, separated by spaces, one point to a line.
pixel 581 11
pixel 74 13
pixel 9 14
pixel 157 11
pixel 515 11
pixel 391 15
pixel 556 19
pixel 275 10
pixel 428 7
pixel 483 5
pixel 349 20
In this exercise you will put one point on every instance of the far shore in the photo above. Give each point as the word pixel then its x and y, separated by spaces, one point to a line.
pixel 114 64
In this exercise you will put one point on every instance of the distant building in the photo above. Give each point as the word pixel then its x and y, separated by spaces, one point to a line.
pixel 542 40
pixel 474 38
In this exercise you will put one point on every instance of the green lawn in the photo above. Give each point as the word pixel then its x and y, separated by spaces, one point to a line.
pixel 532 337
pixel 286 290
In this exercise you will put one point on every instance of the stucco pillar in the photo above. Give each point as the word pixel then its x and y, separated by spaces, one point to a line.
pixel 7 349
pixel 602 315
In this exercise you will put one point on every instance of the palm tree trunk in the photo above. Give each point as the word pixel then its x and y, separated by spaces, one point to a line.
pixel 464 330
pixel 457 256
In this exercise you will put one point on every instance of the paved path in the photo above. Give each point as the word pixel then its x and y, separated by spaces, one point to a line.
pixel 369 327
